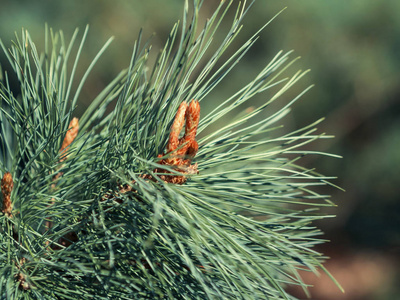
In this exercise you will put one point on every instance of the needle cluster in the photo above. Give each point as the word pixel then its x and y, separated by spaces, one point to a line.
pixel 151 201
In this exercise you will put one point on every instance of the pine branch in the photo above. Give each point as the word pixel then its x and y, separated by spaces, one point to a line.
pixel 125 208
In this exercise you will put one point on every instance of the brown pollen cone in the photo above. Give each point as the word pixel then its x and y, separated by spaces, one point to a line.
pixel 182 150
pixel 7 185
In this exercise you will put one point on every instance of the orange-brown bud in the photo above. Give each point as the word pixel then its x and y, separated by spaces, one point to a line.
pixel 188 141
pixel 71 134
pixel 176 128
pixel 192 119
pixel 182 150
pixel 7 185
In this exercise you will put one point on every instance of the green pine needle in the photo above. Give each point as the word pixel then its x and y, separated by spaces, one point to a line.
pixel 241 228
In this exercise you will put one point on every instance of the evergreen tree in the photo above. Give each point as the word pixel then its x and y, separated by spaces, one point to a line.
pixel 125 206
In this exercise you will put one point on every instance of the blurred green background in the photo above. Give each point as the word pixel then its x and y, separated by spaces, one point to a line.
pixel 353 50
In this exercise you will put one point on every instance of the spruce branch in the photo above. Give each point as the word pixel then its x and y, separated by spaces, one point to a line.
pixel 128 205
